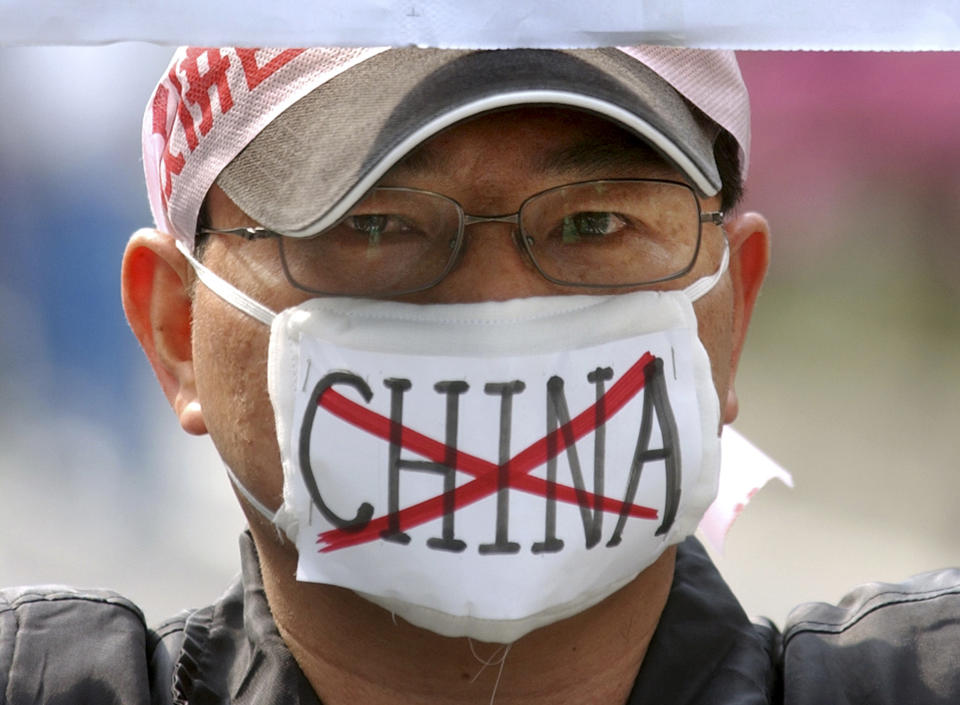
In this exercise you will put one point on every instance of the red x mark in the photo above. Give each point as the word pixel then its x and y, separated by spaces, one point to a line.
pixel 484 472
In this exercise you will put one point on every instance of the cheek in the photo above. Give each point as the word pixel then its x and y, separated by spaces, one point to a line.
pixel 230 359
pixel 715 327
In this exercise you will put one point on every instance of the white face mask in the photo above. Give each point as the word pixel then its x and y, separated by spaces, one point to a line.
pixel 486 469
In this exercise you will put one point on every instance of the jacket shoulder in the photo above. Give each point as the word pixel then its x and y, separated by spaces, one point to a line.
pixel 883 643
pixel 60 644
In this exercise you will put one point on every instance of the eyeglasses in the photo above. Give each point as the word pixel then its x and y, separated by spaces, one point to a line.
pixel 607 234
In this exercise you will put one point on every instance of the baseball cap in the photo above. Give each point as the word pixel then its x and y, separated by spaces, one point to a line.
pixel 295 137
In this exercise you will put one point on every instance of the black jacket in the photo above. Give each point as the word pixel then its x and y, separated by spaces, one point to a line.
pixel 896 644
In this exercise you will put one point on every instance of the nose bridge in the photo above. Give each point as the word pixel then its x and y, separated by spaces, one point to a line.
pixel 512 218
pixel 489 267
pixel 484 241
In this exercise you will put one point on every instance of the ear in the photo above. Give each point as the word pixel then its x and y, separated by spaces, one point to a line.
pixel 749 238
pixel 155 282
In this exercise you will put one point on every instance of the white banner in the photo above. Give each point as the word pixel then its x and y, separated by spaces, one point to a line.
pixel 735 24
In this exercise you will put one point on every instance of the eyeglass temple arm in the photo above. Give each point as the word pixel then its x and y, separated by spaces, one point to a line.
pixel 247 233
pixel 715 217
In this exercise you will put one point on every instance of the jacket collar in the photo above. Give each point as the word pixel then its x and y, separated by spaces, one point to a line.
pixel 704 652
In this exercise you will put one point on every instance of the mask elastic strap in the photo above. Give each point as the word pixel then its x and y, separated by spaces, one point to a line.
pixel 705 284
pixel 248 495
pixel 227 291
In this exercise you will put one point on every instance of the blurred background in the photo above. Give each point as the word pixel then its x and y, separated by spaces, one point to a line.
pixel 850 379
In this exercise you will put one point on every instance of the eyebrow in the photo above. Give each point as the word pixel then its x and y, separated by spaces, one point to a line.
pixel 598 155
pixel 592 155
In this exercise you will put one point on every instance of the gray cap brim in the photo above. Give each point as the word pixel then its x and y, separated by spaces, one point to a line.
pixel 305 169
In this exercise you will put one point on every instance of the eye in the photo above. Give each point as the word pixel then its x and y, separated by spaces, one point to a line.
pixel 375 225
pixel 590 225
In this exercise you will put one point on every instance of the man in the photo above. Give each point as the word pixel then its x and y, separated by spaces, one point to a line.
pixel 464 328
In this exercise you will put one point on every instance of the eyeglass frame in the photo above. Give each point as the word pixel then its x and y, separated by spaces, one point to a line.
pixel 465 220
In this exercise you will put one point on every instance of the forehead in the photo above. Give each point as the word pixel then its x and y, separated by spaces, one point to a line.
pixel 535 140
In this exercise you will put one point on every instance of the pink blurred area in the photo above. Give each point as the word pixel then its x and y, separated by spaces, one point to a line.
pixel 877 114
pixel 830 128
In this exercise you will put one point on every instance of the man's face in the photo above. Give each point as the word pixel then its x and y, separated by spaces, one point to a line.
pixel 489 165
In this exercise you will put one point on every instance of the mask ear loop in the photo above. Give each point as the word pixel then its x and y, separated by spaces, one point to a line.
pixel 705 284
pixel 262 508
pixel 255 309
pixel 227 291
